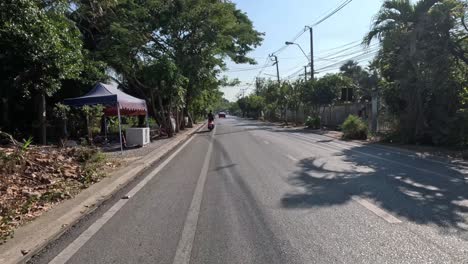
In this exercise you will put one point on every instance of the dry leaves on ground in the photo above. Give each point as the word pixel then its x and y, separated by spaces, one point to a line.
pixel 33 180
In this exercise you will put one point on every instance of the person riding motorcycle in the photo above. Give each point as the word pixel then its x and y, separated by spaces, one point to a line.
pixel 210 121
pixel 210 116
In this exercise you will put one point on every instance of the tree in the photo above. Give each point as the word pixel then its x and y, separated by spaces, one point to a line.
pixel 256 105
pixel 419 65
pixel 169 52
pixel 325 91
pixel 364 82
pixel 294 97
pixel 270 90
pixel 39 48
pixel 201 34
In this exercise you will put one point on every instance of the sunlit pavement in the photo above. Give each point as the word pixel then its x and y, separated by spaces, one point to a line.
pixel 250 192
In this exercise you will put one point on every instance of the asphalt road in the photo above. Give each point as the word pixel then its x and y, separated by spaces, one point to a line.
pixel 250 192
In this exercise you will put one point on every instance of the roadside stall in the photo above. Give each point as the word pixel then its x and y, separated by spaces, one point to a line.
pixel 117 103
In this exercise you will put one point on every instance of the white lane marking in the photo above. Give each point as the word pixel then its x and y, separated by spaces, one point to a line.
pixel 336 146
pixel 377 210
pixel 71 249
pixel 419 185
pixel 266 142
pixel 184 247
pixel 291 157
pixel 388 149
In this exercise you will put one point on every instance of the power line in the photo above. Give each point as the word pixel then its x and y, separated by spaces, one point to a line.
pixel 337 60
pixel 364 56
pixel 339 57
pixel 341 46
pixel 356 48
pixel 298 35
pixel 301 65
pixel 295 73
pixel 248 69
pixel 358 58
pixel 336 10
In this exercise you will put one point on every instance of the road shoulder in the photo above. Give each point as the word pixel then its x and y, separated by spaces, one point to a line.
pixel 32 237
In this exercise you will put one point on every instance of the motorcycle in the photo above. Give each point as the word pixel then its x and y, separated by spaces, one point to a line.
pixel 211 125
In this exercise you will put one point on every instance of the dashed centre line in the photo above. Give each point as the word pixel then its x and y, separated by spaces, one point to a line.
pixel 291 158
pixel 377 210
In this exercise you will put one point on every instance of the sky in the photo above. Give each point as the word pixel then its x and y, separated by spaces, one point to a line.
pixel 335 40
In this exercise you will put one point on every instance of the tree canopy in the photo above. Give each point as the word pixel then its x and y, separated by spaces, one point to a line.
pixel 423 64
pixel 169 52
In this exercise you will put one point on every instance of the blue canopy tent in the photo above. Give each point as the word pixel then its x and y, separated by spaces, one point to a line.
pixel 117 103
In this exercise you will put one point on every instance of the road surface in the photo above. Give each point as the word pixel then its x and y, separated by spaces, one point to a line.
pixel 250 192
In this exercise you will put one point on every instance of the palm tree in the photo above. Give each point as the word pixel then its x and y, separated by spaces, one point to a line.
pixel 398 16
pixel 399 27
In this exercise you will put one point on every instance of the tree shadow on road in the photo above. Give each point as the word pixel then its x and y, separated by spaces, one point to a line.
pixel 409 194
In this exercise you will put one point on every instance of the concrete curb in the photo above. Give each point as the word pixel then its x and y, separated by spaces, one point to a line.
pixel 36 235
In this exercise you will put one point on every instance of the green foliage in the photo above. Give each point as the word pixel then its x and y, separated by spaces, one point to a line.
pixel 423 65
pixel 234 109
pixel 363 81
pixel 40 46
pixel 354 128
pixel 458 135
pixel 61 111
pixel 222 105
pixel 324 91
pixel 26 144
pixel 312 122
pixel 168 52
pixel 93 114
pixel 88 154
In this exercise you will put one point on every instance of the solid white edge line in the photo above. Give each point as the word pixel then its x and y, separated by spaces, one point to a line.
pixel 184 247
pixel 72 248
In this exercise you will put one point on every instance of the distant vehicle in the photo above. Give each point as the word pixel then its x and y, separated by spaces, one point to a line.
pixel 222 115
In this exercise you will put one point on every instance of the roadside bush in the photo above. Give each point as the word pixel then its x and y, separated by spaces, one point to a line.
pixel 354 128
pixel 88 154
pixel 313 122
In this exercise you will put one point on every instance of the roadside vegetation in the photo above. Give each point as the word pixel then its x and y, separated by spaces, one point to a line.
pixel 171 53
pixel 34 178
pixel 420 76
pixel 354 128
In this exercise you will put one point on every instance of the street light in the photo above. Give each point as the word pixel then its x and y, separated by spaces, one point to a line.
pixel 293 43
pixel 310 62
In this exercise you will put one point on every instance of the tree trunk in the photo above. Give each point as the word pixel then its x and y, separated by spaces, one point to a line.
pixel 187 114
pixel 169 113
pixel 5 117
pixel 159 119
pixel 90 136
pixel 295 115
pixel 164 119
pixel 286 115
pixel 43 118
pixel 182 121
pixel 177 119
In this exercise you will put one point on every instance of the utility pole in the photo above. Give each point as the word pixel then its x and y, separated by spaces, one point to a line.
pixel 305 73
pixel 277 69
pixel 243 92
pixel 312 70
